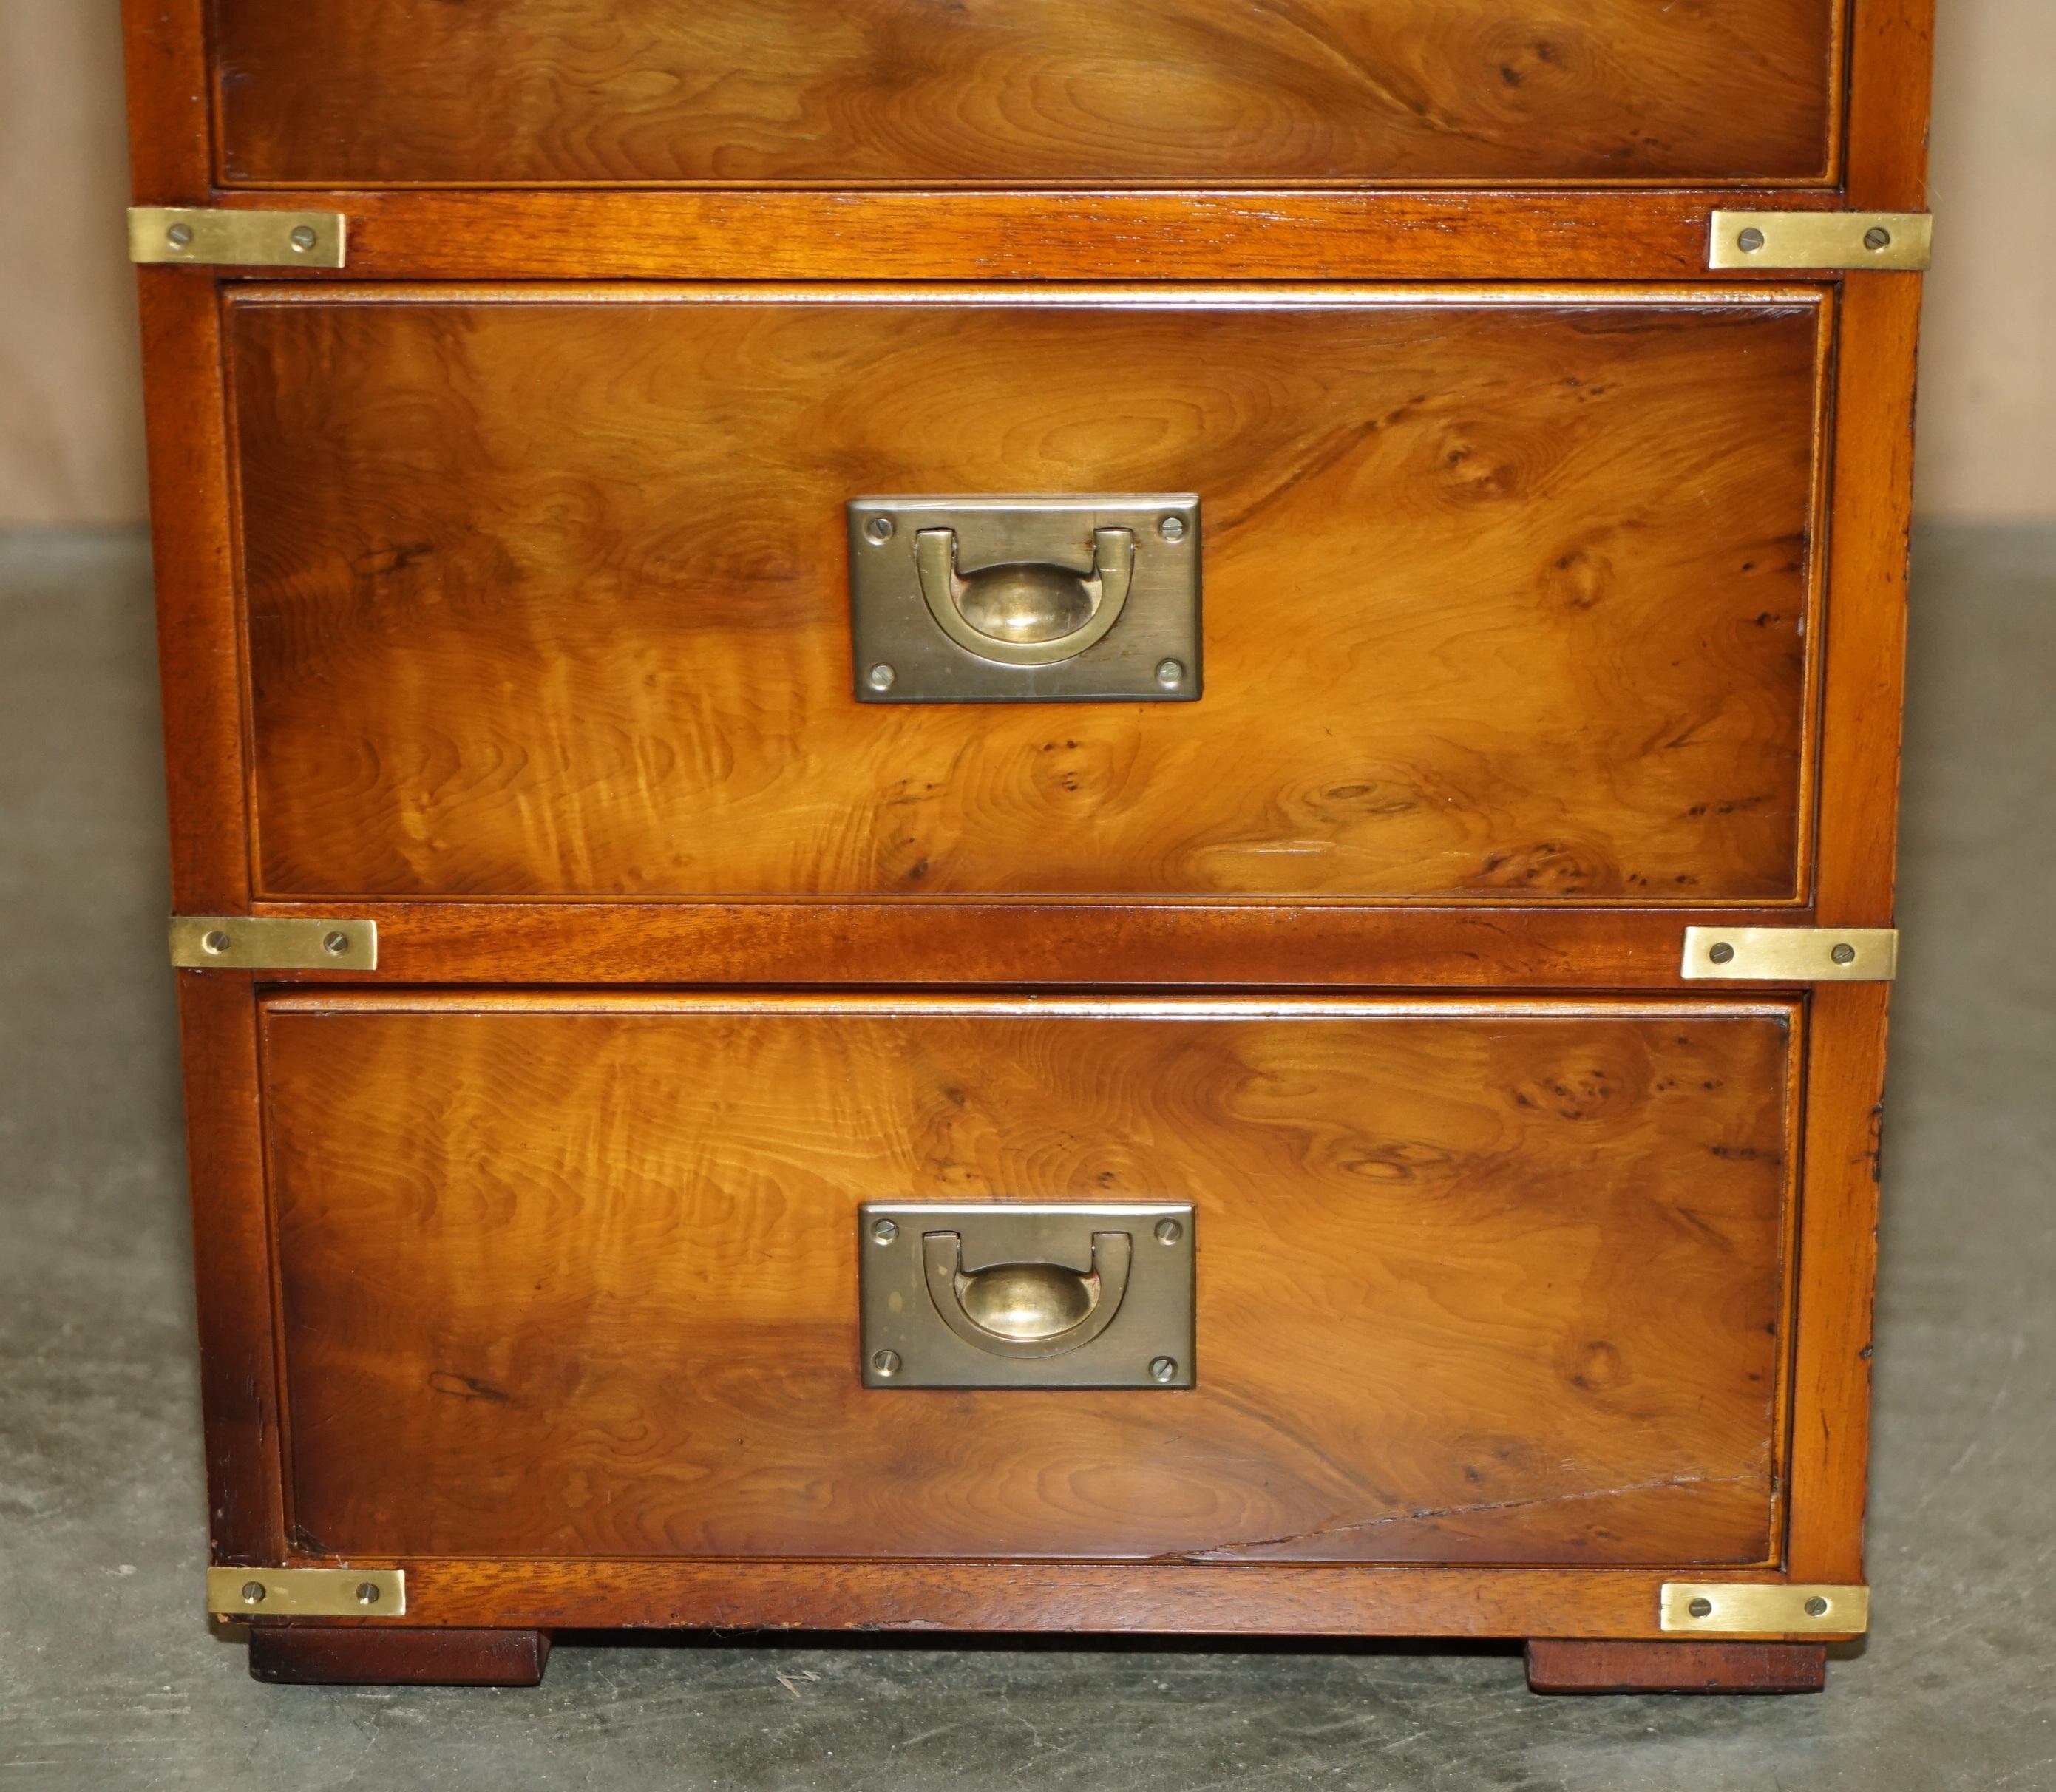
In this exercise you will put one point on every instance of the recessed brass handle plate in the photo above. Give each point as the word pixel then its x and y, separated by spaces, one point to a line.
pixel 1791 954
pixel 1711 1608
pixel 1003 1294
pixel 1890 241
pixel 307 1593
pixel 1026 599
pixel 218 237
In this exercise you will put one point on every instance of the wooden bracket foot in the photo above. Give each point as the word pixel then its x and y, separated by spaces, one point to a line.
pixel 367 1654
pixel 1688 1667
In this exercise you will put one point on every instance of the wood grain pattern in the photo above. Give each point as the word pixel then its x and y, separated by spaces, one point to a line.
pixel 911 1597
pixel 1504 595
pixel 716 233
pixel 1249 1599
pixel 199 618
pixel 1025 944
pixel 231 1266
pixel 1891 53
pixel 1034 93
pixel 164 57
pixel 1870 523
pixel 1744 106
pixel 1872 519
pixel 578 1276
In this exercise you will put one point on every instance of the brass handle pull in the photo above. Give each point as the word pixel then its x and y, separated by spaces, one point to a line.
pixel 1027 1309
pixel 1025 612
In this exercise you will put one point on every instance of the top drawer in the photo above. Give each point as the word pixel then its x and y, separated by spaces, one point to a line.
pixel 369 93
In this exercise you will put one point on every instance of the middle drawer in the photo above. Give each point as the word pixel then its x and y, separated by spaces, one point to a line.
pixel 1506 590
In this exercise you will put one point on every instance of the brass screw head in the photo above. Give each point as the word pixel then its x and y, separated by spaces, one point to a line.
pixel 886 1362
pixel 1170 673
pixel 1750 241
pixel 880 677
pixel 303 238
pixel 367 1592
pixel 214 941
pixel 1721 952
pixel 1701 1608
pixel 880 528
pixel 253 1592
pixel 1164 1369
pixel 1172 529
pixel 884 1232
pixel 1877 238
pixel 1169 1231
pixel 335 944
pixel 1844 953
pixel 1816 1606
pixel 179 236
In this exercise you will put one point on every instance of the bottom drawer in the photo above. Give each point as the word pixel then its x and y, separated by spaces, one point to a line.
pixel 1500 1281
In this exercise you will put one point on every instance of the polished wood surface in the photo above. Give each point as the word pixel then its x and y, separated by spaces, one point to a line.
pixel 232 1267
pixel 369 1655
pixel 1558 1665
pixel 1860 781
pixel 577 1275
pixel 165 74
pixel 719 234
pixel 1297 1598
pixel 1035 92
pixel 1099 944
pixel 1870 522
pixel 1890 76
pixel 1617 233
pixel 1504 595
pixel 197 620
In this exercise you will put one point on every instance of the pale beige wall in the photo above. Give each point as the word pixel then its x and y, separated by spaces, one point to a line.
pixel 1987 422
pixel 70 431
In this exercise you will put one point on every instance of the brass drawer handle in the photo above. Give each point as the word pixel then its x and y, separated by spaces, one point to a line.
pixel 1026 1294
pixel 1039 598
pixel 1026 612
pixel 1027 1309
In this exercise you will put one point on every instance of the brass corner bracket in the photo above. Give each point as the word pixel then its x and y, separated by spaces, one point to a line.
pixel 1791 954
pixel 1758 1608
pixel 272 942
pixel 1890 241
pixel 216 237
pixel 307 1592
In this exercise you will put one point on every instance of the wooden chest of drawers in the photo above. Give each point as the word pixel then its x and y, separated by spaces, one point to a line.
pixel 1031 816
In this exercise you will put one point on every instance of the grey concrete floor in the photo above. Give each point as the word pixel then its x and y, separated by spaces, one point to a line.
pixel 109 1676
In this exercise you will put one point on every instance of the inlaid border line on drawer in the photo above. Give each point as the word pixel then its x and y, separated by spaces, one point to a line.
pixel 1003 1004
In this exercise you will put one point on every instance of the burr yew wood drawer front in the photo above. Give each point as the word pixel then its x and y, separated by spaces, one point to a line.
pixel 796 631
pixel 1475 594
pixel 1037 92
pixel 1497 1282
